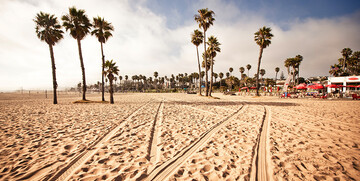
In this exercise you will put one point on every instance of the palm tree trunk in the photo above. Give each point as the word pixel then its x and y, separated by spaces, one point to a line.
pixel 294 75
pixel 298 74
pixel 102 73
pixel 211 76
pixel 197 52
pixel 206 69
pixel 82 69
pixel 111 92
pixel 258 70
pixel 53 73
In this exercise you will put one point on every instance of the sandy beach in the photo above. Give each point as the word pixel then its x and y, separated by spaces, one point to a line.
pixel 178 137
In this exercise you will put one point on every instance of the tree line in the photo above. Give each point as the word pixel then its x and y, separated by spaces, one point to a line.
pixel 49 30
pixel 205 18
pixel 348 64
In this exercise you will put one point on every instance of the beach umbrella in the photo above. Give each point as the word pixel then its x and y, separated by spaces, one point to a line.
pixel 315 86
pixel 301 86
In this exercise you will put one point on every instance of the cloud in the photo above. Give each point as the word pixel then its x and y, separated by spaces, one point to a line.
pixel 143 42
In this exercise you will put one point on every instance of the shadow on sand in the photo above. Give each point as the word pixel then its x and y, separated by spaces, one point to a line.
pixel 231 103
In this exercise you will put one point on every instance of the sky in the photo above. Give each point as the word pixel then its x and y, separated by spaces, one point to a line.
pixel 154 35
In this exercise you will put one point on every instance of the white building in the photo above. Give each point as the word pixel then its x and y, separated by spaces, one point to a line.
pixel 345 81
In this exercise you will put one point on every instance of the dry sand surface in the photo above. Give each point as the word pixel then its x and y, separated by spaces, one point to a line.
pixel 178 137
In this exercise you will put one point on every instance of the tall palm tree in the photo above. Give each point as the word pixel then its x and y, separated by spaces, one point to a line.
pixel 241 70
pixel 79 26
pixel 299 59
pixel 262 73
pixel 221 75
pixel 49 30
pixel 214 47
pixel 263 39
pixel 231 70
pixel 248 67
pixel 216 76
pixel 205 19
pixel 197 39
pixel 120 79
pixel 346 53
pixel 102 31
pixel 277 69
pixel 110 71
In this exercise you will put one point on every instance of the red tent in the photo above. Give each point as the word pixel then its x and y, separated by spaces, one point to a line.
pixel 301 86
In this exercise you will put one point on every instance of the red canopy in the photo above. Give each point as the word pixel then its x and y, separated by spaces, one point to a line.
pixel 316 86
pixel 301 86
pixel 350 86
pixel 358 86
pixel 252 87
pixel 332 86
pixel 244 88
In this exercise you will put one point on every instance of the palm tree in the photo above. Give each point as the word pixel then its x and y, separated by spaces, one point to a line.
pixel 79 26
pixel 248 67
pixel 346 53
pixel 335 70
pixel 294 63
pixel 214 47
pixel 49 30
pixel 156 74
pixel 241 70
pixel 110 71
pixel 231 70
pixel 262 73
pixel 205 19
pixel 263 39
pixel 102 31
pixel 197 39
pixel 120 79
pixel 299 59
pixel 221 75
pixel 277 69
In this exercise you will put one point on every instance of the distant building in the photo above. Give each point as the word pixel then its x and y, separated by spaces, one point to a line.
pixel 344 81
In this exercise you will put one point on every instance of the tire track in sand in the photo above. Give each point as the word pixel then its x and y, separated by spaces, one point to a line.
pixel 164 171
pixel 66 172
pixel 154 150
pixel 261 161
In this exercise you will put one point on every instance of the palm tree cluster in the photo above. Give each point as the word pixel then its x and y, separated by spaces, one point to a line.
pixel 293 64
pixel 48 29
pixel 205 19
pixel 349 64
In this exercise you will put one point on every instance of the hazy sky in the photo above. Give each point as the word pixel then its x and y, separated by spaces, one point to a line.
pixel 154 35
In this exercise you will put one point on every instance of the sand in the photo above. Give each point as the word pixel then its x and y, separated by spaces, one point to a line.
pixel 178 137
